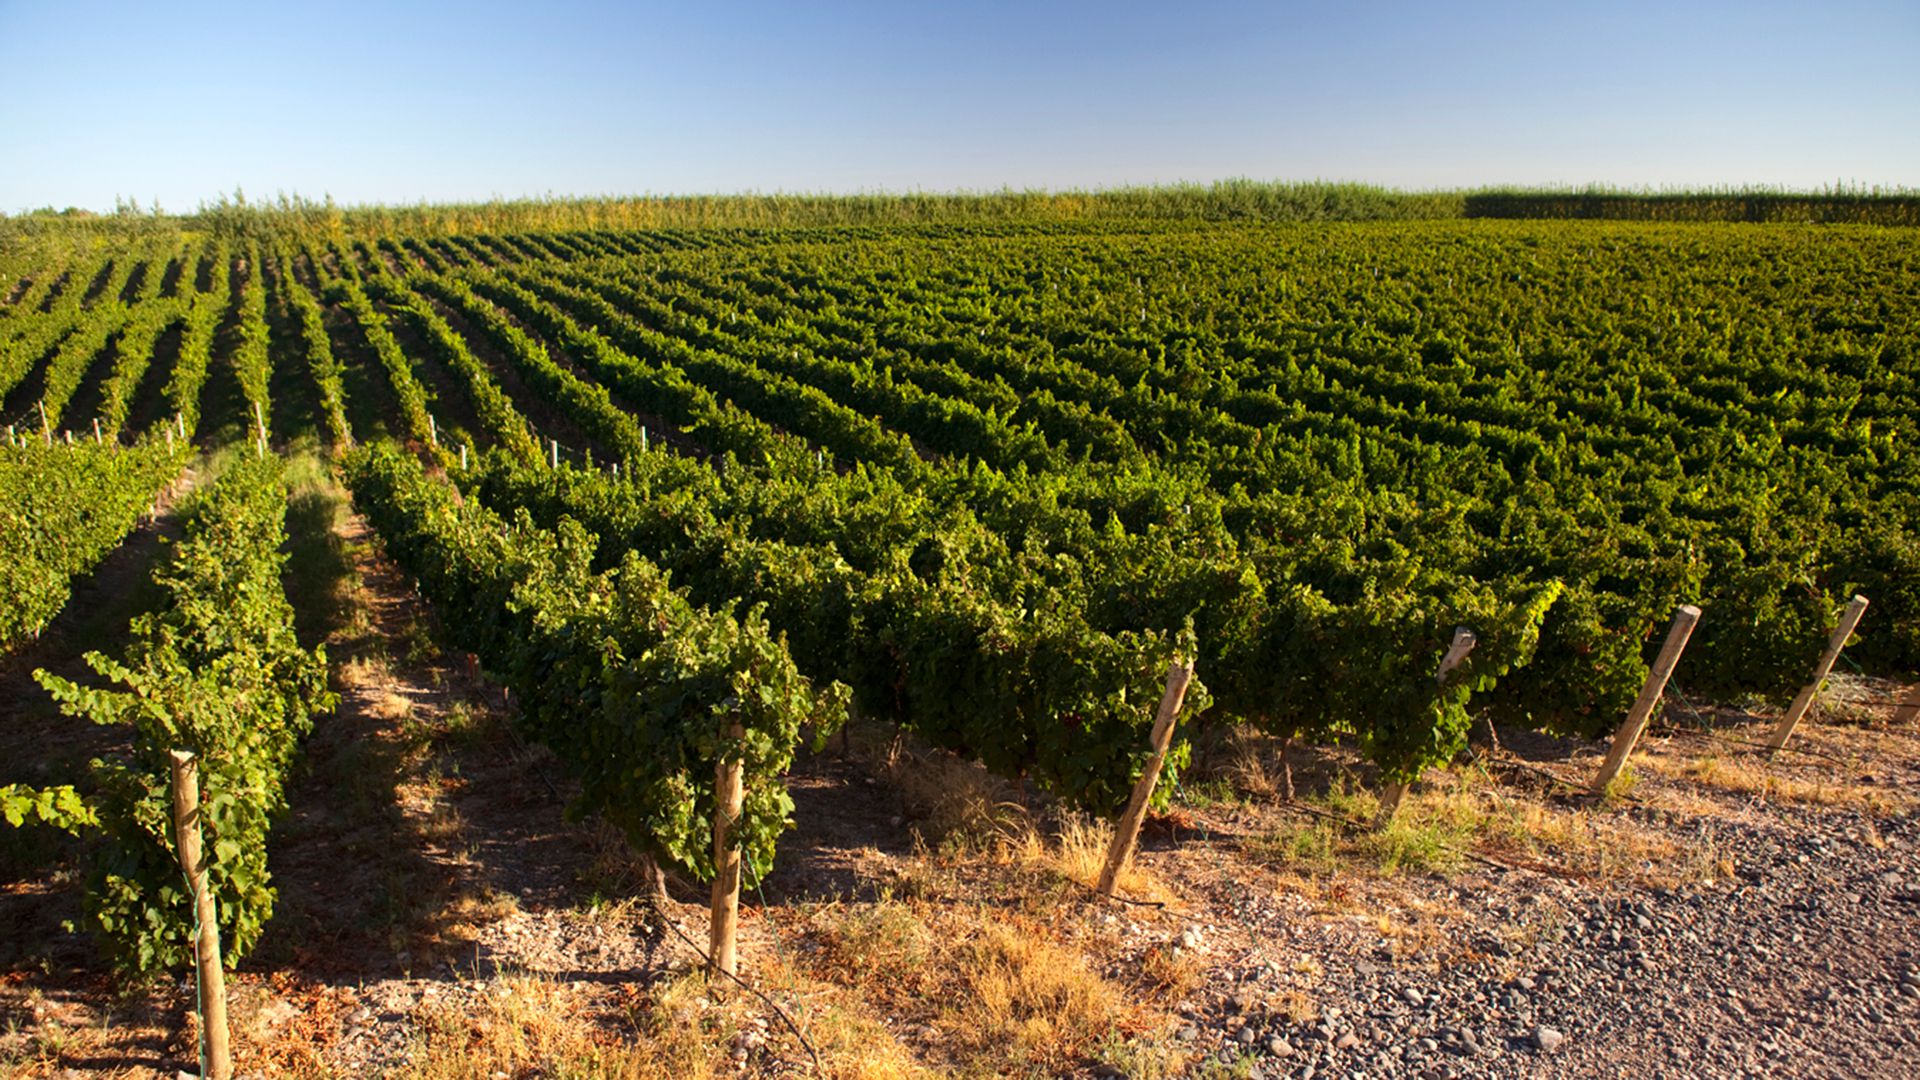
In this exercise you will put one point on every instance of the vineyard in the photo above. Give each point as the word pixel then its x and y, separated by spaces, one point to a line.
pixel 699 499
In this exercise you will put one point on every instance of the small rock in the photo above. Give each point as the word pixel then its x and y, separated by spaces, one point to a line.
pixel 1524 983
pixel 1189 1033
pixel 1279 1047
pixel 1247 1035
pixel 1347 1041
pixel 1413 997
pixel 1547 1038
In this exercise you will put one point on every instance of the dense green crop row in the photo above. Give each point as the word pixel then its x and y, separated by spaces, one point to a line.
pixel 639 691
pixel 216 670
pixel 62 508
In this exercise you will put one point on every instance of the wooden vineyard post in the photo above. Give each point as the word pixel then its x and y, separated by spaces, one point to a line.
pixel 433 430
pixel 1127 831
pixel 556 452
pixel 1849 619
pixel 217 1058
pixel 463 455
pixel 1909 705
pixel 260 426
pixel 1393 794
pixel 728 798
pixel 96 430
pixel 1636 721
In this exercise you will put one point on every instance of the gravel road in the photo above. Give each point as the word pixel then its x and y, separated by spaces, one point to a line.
pixel 1806 962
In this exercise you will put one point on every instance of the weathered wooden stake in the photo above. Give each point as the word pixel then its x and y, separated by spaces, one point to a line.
pixel 463 455
pixel 643 437
pixel 1656 684
pixel 728 798
pixel 556 452
pixel 1909 705
pixel 1394 793
pixel 433 430
pixel 1127 831
pixel 1849 619
pixel 212 981
pixel 1463 642
pixel 96 430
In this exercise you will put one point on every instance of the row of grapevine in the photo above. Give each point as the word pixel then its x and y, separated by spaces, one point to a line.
pixel 934 627
pixel 215 669
pixel 189 374
pixel 495 411
pixel 325 369
pixel 62 509
pixel 640 692
pixel 132 357
pixel 252 360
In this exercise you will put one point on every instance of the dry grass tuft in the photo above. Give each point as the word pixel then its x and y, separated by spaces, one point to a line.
pixel 1462 811
pixel 526 1026
pixel 1077 851
pixel 1030 999
pixel 953 801
pixel 1748 775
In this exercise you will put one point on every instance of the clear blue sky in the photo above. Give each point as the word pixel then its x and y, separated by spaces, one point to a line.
pixel 181 102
